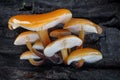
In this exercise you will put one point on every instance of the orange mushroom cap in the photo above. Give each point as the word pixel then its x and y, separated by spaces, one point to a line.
pixel 89 55
pixel 77 24
pixel 60 32
pixel 38 22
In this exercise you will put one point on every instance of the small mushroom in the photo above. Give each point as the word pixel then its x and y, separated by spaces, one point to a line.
pixel 81 26
pixel 80 56
pixel 28 55
pixel 26 38
pixel 62 44
pixel 40 22
pixel 38 45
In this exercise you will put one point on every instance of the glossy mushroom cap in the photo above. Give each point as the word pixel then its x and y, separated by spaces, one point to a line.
pixel 89 55
pixel 24 37
pixel 28 55
pixel 77 24
pixel 60 32
pixel 64 42
pixel 37 22
pixel 38 45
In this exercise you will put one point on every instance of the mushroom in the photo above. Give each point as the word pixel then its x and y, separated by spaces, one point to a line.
pixel 26 38
pixel 81 26
pixel 40 22
pixel 62 44
pixel 38 45
pixel 58 33
pixel 28 55
pixel 80 56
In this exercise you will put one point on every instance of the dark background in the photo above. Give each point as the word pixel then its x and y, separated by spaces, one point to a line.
pixel 106 13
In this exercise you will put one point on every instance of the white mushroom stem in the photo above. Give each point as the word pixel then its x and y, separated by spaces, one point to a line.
pixel 81 36
pixel 29 46
pixel 43 34
pixel 64 54
pixel 36 63
pixel 80 63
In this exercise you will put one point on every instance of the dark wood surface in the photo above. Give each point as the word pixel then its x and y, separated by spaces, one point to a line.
pixel 106 13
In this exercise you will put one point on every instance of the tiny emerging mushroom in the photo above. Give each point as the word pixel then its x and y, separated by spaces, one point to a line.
pixel 58 33
pixel 28 55
pixel 38 45
pixel 80 56
pixel 26 38
pixel 61 44
pixel 81 26
pixel 40 22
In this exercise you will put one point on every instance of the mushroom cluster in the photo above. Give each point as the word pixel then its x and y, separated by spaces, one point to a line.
pixel 67 47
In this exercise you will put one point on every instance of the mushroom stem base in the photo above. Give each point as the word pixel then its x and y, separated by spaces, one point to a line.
pixel 56 59
pixel 43 34
pixel 81 36
pixel 36 63
pixel 80 63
